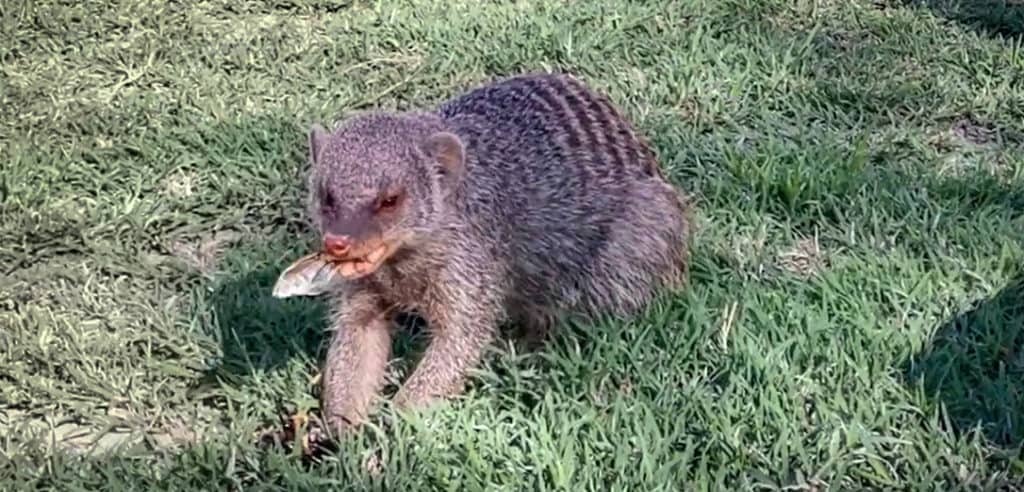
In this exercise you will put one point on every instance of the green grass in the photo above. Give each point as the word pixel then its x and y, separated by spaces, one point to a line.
pixel 855 318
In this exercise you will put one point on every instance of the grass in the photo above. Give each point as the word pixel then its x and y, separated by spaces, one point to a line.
pixel 855 318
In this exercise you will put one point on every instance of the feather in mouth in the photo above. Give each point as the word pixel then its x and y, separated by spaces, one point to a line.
pixel 316 273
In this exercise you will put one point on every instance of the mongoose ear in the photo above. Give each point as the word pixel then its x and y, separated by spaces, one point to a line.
pixel 317 140
pixel 446 148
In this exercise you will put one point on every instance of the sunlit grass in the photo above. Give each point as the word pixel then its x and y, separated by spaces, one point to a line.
pixel 854 319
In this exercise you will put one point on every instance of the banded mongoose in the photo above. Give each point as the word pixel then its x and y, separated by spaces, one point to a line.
pixel 516 202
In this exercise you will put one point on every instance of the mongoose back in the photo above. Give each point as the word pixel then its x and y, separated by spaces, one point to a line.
pixel 519 201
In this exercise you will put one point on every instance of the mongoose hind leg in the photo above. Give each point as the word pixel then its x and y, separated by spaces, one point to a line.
pixel 356 362
pixel 533 325
pixel 647 252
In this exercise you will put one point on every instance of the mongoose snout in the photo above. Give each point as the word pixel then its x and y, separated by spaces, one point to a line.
pixel 337 246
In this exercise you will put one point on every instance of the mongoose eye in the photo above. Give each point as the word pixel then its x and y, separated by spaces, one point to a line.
pixel 327 198
pixel 388 201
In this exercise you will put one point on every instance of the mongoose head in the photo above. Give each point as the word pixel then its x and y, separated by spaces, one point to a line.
pixel 378 183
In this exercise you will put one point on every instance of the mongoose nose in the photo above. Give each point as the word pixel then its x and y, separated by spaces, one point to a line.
pixel 337 245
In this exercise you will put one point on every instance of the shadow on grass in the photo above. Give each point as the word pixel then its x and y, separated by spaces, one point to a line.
pixel 259 332
pixel 974 367
pixel 1001 17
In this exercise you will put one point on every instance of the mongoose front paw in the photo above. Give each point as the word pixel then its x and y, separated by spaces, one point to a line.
pixel 339 423
pixel 406 400
pixel 416 394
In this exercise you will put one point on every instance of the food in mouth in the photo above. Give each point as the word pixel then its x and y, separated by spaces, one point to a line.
pixel 358 267
pixel 316 273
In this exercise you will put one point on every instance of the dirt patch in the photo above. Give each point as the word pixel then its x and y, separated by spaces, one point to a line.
pixel 181 184
pixel 78 437
pixel 968 130
pixel 204 253
pixel 804 259
pixel 968 144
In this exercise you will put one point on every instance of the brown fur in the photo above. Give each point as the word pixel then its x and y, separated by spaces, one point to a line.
pixel 516 202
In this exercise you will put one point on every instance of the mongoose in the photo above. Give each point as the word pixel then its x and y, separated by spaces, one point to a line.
pixel 517 202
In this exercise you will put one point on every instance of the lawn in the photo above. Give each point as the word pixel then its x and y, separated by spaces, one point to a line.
pixel 854 318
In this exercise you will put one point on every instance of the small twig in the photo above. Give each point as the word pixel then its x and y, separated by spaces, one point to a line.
pixel 727 321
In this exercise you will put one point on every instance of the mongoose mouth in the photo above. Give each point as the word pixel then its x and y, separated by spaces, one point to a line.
pixel 353 267
pixel 314 274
